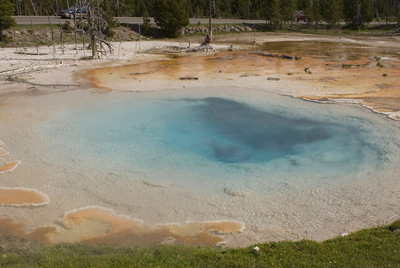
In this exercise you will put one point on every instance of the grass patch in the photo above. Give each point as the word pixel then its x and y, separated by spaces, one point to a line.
pixel 375 247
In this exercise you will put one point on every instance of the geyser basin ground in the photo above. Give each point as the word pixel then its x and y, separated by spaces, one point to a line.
pixel 286 168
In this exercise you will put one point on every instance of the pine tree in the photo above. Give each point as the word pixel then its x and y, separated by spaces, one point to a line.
pixel 224 8
pixel 171 15
pixel 6 20
pixel 397 12
pixel 332 11
pixel 109 18
pixel 313 12
pixel 288 9
pixel 272 13
pixel 146 23
pixel 358 12
pixel 241 8
pixel 257 9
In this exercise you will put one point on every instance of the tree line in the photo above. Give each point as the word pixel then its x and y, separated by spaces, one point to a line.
pixel 330 11
pixel 171 15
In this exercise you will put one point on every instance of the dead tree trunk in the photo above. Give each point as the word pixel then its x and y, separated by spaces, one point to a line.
pixel 209 21
pixel 34 9
pixel 52 37
pixel 61 32
pixel 91 33
pixel 75 30
pixel 34 32
pixel 357 20
pixel 97 24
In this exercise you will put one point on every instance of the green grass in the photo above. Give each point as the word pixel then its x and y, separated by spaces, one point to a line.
pixel 375 247
pixel 19 27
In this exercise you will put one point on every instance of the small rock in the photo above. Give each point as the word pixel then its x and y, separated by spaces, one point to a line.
pixel 168 241
pixel 70 24
pixel 307 70
pixel 255 249
pixel 344 234
pixel 222 243
pixel 233 192
pixel 290 73
pixel 17 33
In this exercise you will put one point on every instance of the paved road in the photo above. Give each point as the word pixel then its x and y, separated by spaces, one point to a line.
pixel 128 20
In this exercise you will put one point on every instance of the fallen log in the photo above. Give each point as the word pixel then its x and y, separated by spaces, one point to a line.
pixel 20 80
pixel 283 56
pixel 31 53
pixel 206 47
pixel 178 48
pixel 141 73
pixel 189 78
pixel 29 69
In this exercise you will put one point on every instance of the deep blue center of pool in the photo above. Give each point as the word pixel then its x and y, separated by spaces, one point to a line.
pixel 233 132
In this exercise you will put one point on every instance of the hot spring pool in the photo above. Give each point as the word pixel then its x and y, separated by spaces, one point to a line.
pixel 281 165
pixel 218 140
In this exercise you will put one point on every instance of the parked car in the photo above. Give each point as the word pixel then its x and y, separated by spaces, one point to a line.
pixel 73 12
pixel 300 15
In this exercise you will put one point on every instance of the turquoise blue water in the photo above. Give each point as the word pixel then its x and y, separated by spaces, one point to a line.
pixel 189 139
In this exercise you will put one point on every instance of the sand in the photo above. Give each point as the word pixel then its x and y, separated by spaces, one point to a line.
pixel 41 195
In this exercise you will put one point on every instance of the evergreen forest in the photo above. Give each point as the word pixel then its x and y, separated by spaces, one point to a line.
pixel 275 12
